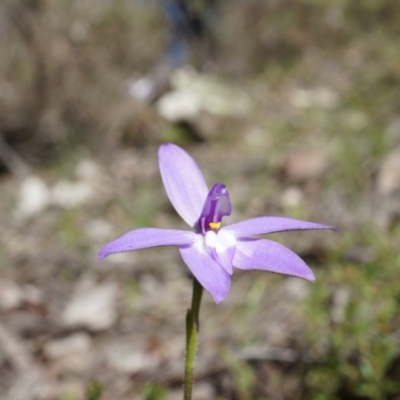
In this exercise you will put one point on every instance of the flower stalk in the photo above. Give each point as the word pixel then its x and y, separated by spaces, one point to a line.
pixel 192 336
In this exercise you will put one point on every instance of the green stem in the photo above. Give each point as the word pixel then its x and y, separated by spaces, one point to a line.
pixel 192 335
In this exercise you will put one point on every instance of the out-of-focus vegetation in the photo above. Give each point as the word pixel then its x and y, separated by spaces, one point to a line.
pixel 323 78
pixel 63 68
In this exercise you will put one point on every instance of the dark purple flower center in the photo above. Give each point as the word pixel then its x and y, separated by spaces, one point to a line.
pixel 217 205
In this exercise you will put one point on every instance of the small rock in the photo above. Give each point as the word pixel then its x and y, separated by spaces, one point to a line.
pixel 306 165
pixel 195 94
pixel 71 194
pixel 93 306
pixel 77 343
pixel 147 89
pixel 388 180
pixel 141 89
pixel 292 197
pixel 11 295
pixel 33 295
pixel 179 106
pixel 130 359
pixel 88 170
pixel 34 197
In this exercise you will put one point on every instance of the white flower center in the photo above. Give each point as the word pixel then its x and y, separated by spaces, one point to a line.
pixel 221 240
pixel 221 246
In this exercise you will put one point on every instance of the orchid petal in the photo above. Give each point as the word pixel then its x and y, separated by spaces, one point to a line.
pixel 263 225
pixel 183 182
pixel 210 275
pixel 147 237
pixel 267 255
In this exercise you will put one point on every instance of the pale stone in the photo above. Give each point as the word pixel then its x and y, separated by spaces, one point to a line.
pixel 69 194
pixel 88 170
pixel 11 295
pixel 141 89
pixel 389 174
pixel 292 197
pixel 125 357
pixel 93 306
pixel 34 197
pixel 179 106
pixel 195 94
pixel 77 343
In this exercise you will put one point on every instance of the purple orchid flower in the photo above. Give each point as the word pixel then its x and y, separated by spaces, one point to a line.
pixel 209 250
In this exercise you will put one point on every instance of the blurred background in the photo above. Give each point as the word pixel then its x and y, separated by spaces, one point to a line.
pixel 293 104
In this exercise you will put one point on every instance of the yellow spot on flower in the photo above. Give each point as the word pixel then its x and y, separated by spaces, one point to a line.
pixel 214 225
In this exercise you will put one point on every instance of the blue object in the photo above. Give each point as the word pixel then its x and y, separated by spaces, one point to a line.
pixel 184 25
